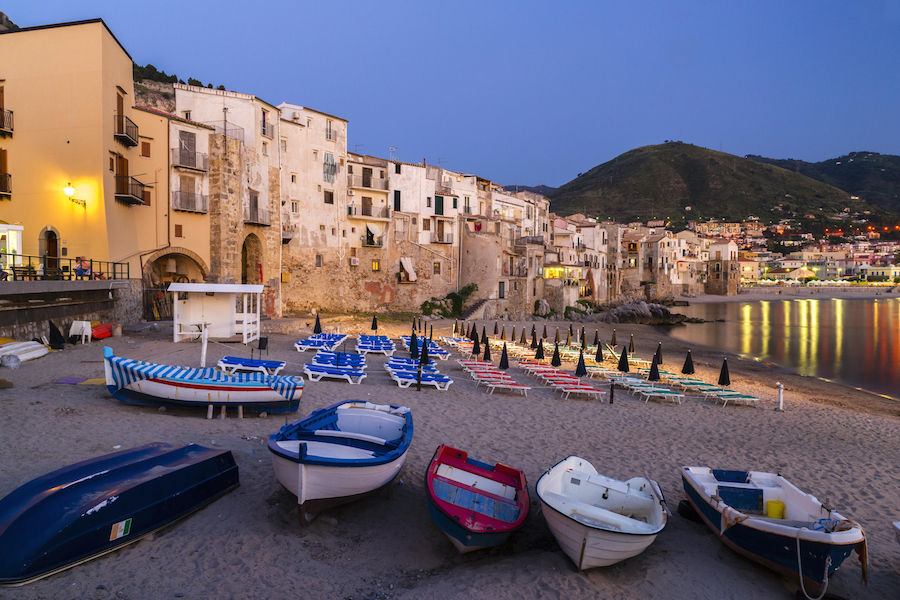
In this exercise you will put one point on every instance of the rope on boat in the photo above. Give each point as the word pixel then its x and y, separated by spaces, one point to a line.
pixel 800 570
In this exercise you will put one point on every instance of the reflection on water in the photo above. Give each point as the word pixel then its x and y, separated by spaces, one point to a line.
pixel 853 341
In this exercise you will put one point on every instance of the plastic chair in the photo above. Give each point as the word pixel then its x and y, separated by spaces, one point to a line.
pixel 82 329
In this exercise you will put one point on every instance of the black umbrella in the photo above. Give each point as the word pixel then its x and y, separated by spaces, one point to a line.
pixel 374 322
pixel 556 339
pixel 612 342
pixel 533 331
pixel 539 355
pixel 596 337
pixel 544 336
pixel 583 345
pixel 571 331
pixel 318 327
pixel 599 356
pixel 473 334
pixel 724 378
pixel 631 344
pixel 568 339
pixel 476 347
pixel 503 333
pixel 504 359
pixel 623 361
pixel 659 353
pixel 431 333
pixel 420 323
pixel 654 371
pixel 422 362
pixel 413 346
pixel 688 368
pixel 454 329
pixel 580 368
pixel 414 325
pixel 534 342
pixel 487 351
pixel 556 360
pixel 496 327
pixel 512 336
pixel 524 340
pixel 484 338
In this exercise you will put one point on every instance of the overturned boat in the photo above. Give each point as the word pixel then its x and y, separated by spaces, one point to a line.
pixel 87 509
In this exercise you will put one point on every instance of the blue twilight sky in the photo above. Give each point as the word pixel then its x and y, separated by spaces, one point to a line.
pixel 536 92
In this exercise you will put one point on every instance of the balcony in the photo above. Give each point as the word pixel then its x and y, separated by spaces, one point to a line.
pixel 355 211
pixel 530 240
pixel 6 122
pixel 443 189
pixel 125 130
pixel 367 182
pixel 188 159
pixel 267 129
pixel 129 190
pixel 288 231
pixel 437 238
pixel 371 242
pixel 190 202
pixel 5 185
pixel 257 216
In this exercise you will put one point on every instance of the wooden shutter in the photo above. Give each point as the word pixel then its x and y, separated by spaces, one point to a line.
pixel 178 231
pixel 145 149
pixel 3 165
pixel 146 197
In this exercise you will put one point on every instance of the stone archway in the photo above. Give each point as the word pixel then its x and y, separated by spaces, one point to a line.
pixel 48 245
pixel 251 260
pixel 187 263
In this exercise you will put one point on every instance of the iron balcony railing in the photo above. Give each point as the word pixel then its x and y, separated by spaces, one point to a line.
pixel 188 159
pixel 371 242
pixel 129 190
pixel 365 181
pixel 6 184
pixel 445 238
pixel 190 201
pixel 6 121
pixel 267 129
pixel 126 131
pixel 530 239
pixel 25 267
pixel 288 230
pixel 378 212
pixel 259 216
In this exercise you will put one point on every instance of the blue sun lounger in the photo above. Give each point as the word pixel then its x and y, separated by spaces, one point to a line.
pixel 405 379
pixel 317 372
pixel 237 364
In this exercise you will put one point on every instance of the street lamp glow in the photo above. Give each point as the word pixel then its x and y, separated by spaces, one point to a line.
pixel 69 191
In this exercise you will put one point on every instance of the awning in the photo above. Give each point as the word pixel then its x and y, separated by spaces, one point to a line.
pixel 406 264
pixel 374 229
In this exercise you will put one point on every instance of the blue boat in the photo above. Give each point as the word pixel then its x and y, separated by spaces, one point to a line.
pixel 770 521
pixel 87 509
pixel 341 453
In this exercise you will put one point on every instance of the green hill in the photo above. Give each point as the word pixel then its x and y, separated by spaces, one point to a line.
pixel 676 181
pixel 873 177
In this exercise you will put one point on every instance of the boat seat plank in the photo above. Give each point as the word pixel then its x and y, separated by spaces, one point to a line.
pixel 496 508
pixel 354 435
pixel 476 481
pixel 742 498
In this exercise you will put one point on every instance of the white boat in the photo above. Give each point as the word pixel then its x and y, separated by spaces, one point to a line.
pixel 340 453
pixel 897 529
pixel 24 350
pixel 599 521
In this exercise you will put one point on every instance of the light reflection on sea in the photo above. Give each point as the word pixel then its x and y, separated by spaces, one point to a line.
pixel 856 342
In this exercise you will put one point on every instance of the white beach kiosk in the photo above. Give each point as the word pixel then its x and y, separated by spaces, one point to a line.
pixel 212 309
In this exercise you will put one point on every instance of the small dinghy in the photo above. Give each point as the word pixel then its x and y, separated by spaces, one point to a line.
pixel 90 508
pixel 599 521
pixel 769 520
pixel 475 504
pixel 24 350
pixel 340 453
pixel 144 383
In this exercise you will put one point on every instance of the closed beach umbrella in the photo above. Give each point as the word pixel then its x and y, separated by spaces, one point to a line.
pixel 659 353
pixel 413 346
pixel 631 344
pixel 623 361
pixel 654 371
pixel 612 342
pixel 484 339
pixel 374 322
pixel 318 327
pixel 524 340
pixel 504 358
pixel 571 331
pixel 431 333
pixel 533 331
pixel 544 337
pixel 688 368
pixel 568 339
pixel 556 360
pixel 539 355
pixel 596 337
pixel 533 338
pixel 476 347
pixel 423 355
pixel 422 362
pixel 724 378
pixel 512 336
pixel 581 337
pixel 583 340
pixel 487 351
pixel 503 333
pixel 599 356
pixel 453 332
pixel 414 325
pixel 496 327
pixel 473 334
pixel 556 339
pixel 580 368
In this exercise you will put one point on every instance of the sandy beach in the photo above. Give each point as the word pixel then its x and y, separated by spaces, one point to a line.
pixel 833 442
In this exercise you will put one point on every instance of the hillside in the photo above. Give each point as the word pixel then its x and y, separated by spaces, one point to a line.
pixel 678 181
pixel 873 177
pixel 543 190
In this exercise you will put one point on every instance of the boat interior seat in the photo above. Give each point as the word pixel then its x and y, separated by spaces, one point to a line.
pixel 353 435
pixel 596 516
pixel 477 481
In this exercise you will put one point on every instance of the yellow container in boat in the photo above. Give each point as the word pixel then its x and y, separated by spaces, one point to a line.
pixel 775 509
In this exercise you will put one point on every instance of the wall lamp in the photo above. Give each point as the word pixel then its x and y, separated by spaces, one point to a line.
pixel 69 191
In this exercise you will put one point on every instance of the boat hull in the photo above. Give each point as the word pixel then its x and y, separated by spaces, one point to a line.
pixel 90 508
pixel 755 540
pixel 464 540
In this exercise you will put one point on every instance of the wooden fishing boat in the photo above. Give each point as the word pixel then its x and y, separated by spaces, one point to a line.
pixel 475 504
pixel 769 520
pixel 87 509
pixel 597 520
pixel 341 453
pixel 140 382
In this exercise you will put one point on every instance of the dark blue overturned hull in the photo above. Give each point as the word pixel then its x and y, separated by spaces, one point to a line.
pixel 135 398
pixel 466 538
pixel 777 552
pixel 87 509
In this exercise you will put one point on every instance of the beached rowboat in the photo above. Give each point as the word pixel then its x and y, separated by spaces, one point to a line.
pixel 81 511
pixel 475 504
pixel 140 382
pixel 599 521
pixel 340 453
pixel 769 520
pixel 24 350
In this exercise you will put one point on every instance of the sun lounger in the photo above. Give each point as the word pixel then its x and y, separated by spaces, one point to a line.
pixel 584 390
pixel 317 372
pixel 734 397
pixel 665 394
pixel 405 379
pixel 501 384
pixel 236 364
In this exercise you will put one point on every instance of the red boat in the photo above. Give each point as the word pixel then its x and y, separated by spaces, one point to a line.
pixel 475 504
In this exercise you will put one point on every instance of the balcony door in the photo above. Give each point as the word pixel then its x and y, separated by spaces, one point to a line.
pixel 187 146
pixel 438 205
pixel 440 229
pixel 366 206
pixel 121 175
pixel 367 177
pixel 186 191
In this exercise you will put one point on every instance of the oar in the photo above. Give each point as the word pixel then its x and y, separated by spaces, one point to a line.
pixel 660 499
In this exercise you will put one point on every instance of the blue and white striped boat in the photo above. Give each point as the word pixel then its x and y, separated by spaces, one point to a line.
pixel 139 382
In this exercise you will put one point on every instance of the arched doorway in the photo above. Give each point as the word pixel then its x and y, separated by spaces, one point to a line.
pixel 165 266
pixel 48 246
pixel 251 260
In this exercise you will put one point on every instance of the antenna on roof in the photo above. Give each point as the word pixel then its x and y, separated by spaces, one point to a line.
pixel 356 146
pixel 391 150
